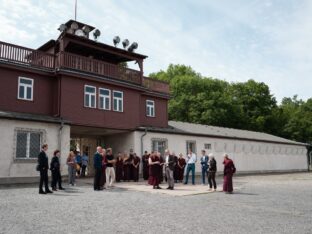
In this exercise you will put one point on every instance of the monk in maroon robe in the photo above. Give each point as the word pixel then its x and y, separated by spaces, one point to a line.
pixel 154 166
pixel 127 166
pixel 229 170
pixel 119 168
pixel 135 167
pixel 145 165
pixel 180 167
pixel 175 170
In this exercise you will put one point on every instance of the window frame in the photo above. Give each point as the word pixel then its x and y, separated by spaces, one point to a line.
pixel 25 88
pixel 207 146
pixel 90 94
pixel 188 142
pixel 118 98
pixel 105 96
pixel 158 140
pixel 150 107
pixel 28 143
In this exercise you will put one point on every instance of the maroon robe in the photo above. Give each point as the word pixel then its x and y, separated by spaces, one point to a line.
pixel 135 170
pixel 180 169
pixel 119 169
pixel 229 170
pixel 127 166
pixel 154 171
pixel 145 166
pixel 175 171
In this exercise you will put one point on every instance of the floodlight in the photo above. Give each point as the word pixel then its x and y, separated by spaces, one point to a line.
pixel 96 34
pixel 62 28
pixel 116 40
pixel 133 47
pixel 125 43
pixel 74 26
pixel 86 29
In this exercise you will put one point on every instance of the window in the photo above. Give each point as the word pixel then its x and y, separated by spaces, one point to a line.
pixel 90 96
pixel 159 145
pixel 208 146
pixel 191 145
pixel 27 144
pixel 25 88
pixel 118 101
pixel 150 108
pixel 104 99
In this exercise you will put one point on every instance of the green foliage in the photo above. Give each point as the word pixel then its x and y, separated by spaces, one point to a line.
pixel 243 105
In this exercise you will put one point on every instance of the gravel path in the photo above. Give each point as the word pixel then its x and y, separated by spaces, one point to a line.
pixel 262 204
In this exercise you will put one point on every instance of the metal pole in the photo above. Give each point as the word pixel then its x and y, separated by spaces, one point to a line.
pixel 75 10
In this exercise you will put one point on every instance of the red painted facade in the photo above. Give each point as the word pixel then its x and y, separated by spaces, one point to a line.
pixel 59 83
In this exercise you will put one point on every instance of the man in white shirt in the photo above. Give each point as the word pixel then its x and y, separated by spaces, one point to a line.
pixel 192 158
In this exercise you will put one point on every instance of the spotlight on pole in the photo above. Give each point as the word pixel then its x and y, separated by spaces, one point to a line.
pixel 116 40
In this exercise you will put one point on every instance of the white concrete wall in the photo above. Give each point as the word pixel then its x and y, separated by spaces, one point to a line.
pixel 248 156
pixel 120 142
pixel 9 166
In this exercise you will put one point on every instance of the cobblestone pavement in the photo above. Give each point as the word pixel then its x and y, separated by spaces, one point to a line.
pixel 260 204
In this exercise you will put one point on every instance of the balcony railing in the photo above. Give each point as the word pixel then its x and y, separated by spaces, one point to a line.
pixel 25 56
pixel 34 58
pixel 81 63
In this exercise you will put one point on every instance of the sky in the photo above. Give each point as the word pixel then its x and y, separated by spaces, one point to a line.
pixel 269 41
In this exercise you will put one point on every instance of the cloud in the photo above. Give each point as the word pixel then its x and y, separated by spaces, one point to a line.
pixel 269 41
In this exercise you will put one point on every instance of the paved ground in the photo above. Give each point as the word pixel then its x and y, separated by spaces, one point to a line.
pixel 261 204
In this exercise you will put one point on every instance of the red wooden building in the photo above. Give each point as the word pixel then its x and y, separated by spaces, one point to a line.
pixel 75 88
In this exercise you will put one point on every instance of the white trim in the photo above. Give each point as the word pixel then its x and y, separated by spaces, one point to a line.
pixel 90 94
pixel 122 102
pixel 152 107
pixel 25 88
pixel 105 96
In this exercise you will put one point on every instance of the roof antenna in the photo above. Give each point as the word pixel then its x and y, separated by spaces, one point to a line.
pixel 75 10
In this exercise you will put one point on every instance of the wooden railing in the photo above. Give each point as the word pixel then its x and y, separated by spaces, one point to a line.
pixel 34 58
pixel 25 56
pixel 156 85
pixel 81 63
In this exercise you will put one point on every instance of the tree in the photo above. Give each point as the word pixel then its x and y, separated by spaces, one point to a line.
pixel 243 105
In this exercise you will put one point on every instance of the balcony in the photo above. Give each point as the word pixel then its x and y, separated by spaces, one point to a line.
pixel 10 53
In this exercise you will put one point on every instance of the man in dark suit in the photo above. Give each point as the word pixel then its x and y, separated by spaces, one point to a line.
pixel 97 163
pixel 43 166
pixel 169 166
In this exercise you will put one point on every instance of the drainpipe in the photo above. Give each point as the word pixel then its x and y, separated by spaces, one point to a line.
pixel 60 136
pixel 142 140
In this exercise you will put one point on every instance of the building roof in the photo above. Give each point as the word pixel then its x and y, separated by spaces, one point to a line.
pixel 31 117
pixel 184 128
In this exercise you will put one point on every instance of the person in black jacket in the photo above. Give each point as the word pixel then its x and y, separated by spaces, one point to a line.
pixel 97 163
pixel 212 172
pixel 56 172
pixel 43 166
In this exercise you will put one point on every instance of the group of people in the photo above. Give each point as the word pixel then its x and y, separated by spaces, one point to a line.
pixel 126 166
pixel 43 167
pixel 108 169
pixel 177 168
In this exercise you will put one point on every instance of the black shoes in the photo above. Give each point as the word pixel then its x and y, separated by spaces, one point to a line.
pixel 42 192
pixel 170 188
pixel 49 191
pixel 61 188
